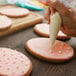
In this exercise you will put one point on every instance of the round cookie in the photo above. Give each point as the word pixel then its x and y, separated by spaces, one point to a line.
pixel 15 12
pixel 43 30
pixel 40 47
pixel 5 22
pixel 13 63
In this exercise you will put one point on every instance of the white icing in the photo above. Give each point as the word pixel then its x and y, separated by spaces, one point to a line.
pixel 55 24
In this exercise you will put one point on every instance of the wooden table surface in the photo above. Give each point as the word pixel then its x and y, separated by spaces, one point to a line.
pixel 40 68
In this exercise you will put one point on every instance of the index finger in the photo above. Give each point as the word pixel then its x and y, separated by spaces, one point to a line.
pixel 58 5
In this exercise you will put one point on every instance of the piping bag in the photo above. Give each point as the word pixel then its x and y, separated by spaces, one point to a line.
pixel 54 27
pixel 25 4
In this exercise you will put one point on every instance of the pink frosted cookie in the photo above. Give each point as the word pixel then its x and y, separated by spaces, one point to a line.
pixel 43 30
pixel 15 12
pixel 40 47
pixel 13 63
pixel 5 22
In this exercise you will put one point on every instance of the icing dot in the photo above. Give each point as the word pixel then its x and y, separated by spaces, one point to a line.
pixel 12 55
pixel 0 60
pixel 8 68
pixel 6 63
pixel 68 48
pixel 14 62
pixel 4 55
pixel 23 72
pixel 17 67
pixel 11 51
pixel 3 50
pixel 61 47
pixel 60 52
pixel 21 56
pixel 0 66
pixel 62 44
pixel 67 51
pixel 15 58
pixel 18 53
pixel 22 61
pixel 13 73
pixel 8 58
pixel 26 64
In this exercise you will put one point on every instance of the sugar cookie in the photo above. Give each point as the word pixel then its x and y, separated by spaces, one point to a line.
pixel 5 22
pixel 43 30
pixel 15 12
pixel 13 63
pixel 40 47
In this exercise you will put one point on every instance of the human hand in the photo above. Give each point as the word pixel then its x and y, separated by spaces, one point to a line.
pixel 67 12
